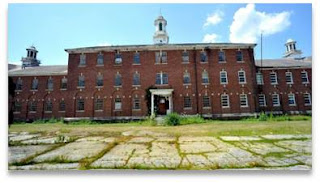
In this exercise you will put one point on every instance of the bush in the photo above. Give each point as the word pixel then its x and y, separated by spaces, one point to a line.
pixel 263 117
pixel 172 119
pixel 192 119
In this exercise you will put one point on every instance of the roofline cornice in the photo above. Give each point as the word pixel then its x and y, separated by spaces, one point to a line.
pixel 187 46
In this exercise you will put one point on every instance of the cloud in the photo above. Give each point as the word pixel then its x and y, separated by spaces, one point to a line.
pixel 248 23
pixel 214 18
pixel 210 38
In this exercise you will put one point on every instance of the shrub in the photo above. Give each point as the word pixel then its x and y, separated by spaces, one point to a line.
pixel 172 119
pixel 263 117
pixel 192 119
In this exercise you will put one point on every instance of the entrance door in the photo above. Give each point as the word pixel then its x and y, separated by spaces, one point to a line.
pixel 162 107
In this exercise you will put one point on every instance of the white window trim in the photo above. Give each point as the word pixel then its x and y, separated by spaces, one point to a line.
pixel 223 83
pixel 278 99
pixel 309 96
pixel 264 100
pixel 276 77
pixel 307 82
pixel 291 77
pixel 244 76
pixel 227 99
pixel 246 96
pixel 262 82
pixel 294 99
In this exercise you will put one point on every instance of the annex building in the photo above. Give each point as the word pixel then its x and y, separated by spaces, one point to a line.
pixel 134 81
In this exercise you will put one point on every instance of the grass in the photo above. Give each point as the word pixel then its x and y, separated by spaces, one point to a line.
pixel 191 126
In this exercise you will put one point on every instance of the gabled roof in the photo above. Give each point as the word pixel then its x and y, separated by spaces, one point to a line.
pixel 47 70
pixel 305 62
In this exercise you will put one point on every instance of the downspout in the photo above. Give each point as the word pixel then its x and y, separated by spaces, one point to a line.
pixel 196 78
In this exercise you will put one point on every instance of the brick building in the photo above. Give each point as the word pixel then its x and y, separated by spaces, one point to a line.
pixel 133 81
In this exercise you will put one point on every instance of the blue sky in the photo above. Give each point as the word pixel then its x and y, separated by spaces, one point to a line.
pixel 54 27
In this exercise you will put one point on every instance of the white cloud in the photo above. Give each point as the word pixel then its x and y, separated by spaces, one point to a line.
pixel 214 18
pixel 248 23
pixel 210 38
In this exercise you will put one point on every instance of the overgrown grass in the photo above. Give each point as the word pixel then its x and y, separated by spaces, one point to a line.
pixel 185 120
pixel 285 117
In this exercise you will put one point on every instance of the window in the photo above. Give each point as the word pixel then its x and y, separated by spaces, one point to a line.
pixel 33 106
pixel 187 102
pixel 206 101
pixel 186 78
pixel 98 104
pixel 82 60
pixel 118 59
pixel 64 83
pixel 62 105
pixel 243 100
pixel 48 106
pixel 304 77
pixel 222 56
pixel 289 79
pixel 81 82
pixel 291 100
pixel 259 78
pixel 185 57
pixel 35 83
pixel 307 99
pixel 100 59
pixel 118 80
pixel 239 56
pixel 203 57
pixel 19 84
pixel 80 104
pixel 136 103
pixel 136 58
pixel 50 84
pixel 136 79
pixel 17 106
pixel 223 77
pixel 275 100
pixel 205 77
pixel 161 78
pixel 161 57
pixel 273 78
pixel 225 101
pixel 242 77
pixel 117 104
pixel 262 100
pixel 99 80
pixel 160 26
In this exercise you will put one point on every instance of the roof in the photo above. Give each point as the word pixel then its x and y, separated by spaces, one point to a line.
pixel 13 67
pixel 305 62
pixel 162 46
pixel 47 70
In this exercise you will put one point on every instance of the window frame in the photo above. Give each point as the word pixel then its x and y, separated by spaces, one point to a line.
pixel 136 58
pixel 136 79
pixel 98 104
pixel 63 83
pixel 117 104
pixel 35 84
pixel 118 80
pixel 82 60
pixel 19 84
pixel 205 77
pixel 136 103
pixel 185 57
pixel 237 56
pixel 245 97
pixel 275 74
pixel 222 56
pixel 264 100
pixel 48 106
pixel 309 98
pixel 289 75
pixel 243 77
pixel 226 78
pixel 162 78
pixel 62 106
pixel 292 97
pixel 50 84
pixel 99 81
pixel 81 81
pixel 187 103
pixel 222 100
pixel 32 106
pixel 259 78
pixel 80 105
pixel 306 77
pixel 278 100
pixel 186 78
pixel 203 57
pixel 118 58
pixel 206 100
pixel 100 59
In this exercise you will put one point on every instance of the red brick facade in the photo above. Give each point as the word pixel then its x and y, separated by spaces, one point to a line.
pixel 147 69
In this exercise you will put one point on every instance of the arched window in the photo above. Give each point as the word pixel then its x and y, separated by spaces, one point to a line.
pixel 160 26
pixel 205 77
pixel 48 106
